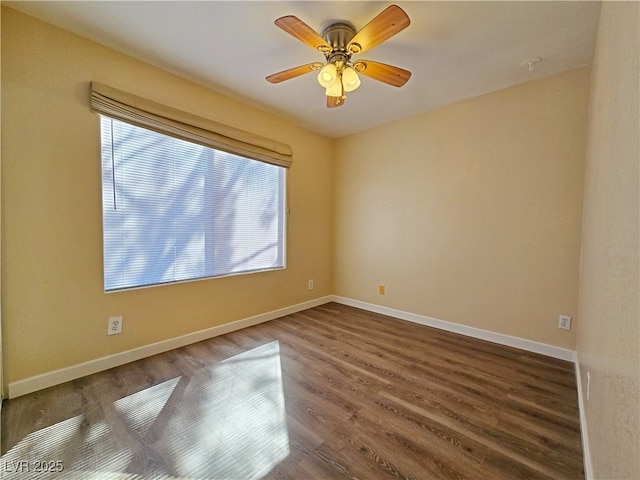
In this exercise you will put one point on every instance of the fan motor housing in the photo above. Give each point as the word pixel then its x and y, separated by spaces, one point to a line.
pixel 338 35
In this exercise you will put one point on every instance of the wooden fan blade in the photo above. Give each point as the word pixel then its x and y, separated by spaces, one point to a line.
pixel 303 32
pixel 293 72
pixel 333 102
pixel 382 72
pixel 389 22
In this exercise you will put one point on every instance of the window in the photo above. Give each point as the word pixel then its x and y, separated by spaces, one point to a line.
pixel 174 210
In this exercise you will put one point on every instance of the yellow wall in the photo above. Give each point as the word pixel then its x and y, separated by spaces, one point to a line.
pixel 609 332
pixel 54 311
pixel 471 213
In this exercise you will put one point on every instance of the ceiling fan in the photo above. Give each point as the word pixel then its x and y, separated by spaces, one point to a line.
pixel 339 41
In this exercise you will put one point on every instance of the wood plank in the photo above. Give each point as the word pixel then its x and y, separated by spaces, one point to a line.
pixel 331 392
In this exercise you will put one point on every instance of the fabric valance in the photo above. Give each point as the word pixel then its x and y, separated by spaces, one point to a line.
pixel 186 126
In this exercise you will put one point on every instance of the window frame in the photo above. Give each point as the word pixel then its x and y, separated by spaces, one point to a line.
pixel 283 220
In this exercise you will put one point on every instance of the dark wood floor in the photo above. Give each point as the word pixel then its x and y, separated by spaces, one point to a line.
pixel 331 392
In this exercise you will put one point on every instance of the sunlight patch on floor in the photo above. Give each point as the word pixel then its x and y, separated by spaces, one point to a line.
pixel 225 421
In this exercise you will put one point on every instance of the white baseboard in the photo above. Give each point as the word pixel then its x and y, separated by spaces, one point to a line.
pixel 586 453
pixel 49 379
pixel 516 342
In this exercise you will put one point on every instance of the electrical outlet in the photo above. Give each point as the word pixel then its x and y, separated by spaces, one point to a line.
pixel 381 289
pixel 311 285
pixel 564 322
pixel 114 326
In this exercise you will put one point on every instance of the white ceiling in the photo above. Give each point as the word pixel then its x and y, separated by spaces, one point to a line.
pixel 455 50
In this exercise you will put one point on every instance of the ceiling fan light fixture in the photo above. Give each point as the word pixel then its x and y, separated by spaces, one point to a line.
pixel 338 42
pixel 350 79
pixel 328 75
pixel 335 90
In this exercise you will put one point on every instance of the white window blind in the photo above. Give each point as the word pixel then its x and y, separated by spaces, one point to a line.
pixel 175 210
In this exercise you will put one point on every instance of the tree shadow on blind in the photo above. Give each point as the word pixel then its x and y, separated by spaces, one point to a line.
pixel 182 211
